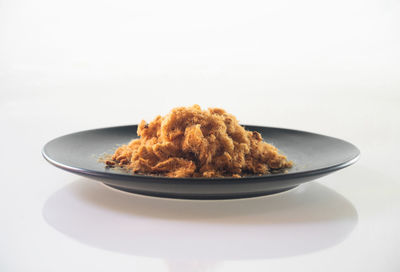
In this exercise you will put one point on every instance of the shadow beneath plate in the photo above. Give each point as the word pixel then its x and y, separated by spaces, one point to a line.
pixel 309 218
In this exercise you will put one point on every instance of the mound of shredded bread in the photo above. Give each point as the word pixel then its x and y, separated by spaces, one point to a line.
pixel 191 142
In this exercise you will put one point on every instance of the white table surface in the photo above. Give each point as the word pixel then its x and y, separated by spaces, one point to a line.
pixel 331 68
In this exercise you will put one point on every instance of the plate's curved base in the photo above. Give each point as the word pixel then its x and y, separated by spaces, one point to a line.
pixel 200 196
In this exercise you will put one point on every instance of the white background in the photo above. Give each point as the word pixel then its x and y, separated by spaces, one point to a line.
pixel 327 67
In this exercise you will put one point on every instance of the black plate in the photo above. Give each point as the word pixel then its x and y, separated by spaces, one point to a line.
pixel 313 156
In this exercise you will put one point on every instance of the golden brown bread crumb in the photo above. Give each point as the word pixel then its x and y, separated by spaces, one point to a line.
pixel 190 142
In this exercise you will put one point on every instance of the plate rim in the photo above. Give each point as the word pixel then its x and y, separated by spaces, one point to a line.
pixel 213 180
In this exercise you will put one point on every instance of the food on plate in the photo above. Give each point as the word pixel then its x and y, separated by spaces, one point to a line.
pixel 191 142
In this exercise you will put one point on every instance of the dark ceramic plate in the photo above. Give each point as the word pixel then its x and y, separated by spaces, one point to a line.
pixel 313 156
